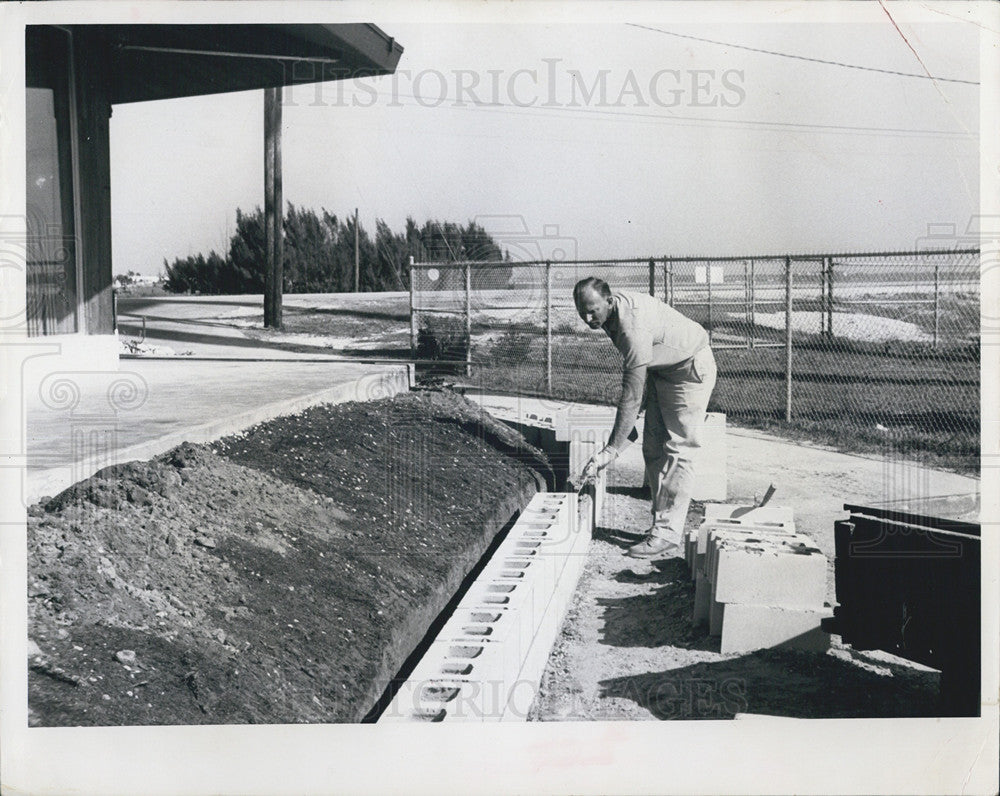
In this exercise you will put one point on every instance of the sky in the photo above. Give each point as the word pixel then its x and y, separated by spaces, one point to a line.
pixel 604 139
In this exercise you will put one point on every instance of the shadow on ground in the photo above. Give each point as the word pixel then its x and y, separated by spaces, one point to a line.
pixel 782 683
pixel 637 492
pixel 660 618
pixel 842 683
pixel 618 537
pixel 174 336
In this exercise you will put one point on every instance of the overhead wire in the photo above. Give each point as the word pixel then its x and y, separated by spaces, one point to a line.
pixel 804 57
pixel 683 120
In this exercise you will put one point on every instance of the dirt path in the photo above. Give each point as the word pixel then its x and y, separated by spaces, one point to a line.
pixel 628 649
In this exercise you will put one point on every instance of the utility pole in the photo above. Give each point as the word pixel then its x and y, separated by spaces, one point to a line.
pixel 273 210
pixel 357 258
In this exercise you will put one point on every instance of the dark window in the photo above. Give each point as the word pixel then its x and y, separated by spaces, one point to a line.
pixel 51 257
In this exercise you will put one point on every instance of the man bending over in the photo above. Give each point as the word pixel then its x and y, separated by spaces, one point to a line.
pixel 669 354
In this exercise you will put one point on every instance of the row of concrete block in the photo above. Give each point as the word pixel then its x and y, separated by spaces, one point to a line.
pixel 758 583
pixel 487 661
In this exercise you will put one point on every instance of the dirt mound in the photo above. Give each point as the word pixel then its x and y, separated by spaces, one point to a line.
pixel 281 575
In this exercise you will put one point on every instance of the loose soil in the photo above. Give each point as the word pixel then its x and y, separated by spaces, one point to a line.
pixel 282 575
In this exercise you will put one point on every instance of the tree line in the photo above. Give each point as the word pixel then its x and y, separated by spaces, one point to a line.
pixel 319 254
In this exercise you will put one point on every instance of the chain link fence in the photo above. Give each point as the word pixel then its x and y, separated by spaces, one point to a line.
pixel 878 348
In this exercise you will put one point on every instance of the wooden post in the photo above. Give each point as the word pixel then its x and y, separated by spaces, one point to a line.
pixel 468 320
pixel 652 277
pixel 273 211
pixel 279 215
pixel 788 339
pixel 357 258
pixel 548 325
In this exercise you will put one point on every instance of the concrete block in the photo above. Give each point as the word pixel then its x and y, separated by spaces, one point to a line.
pixel 580 452
pixel 440 700
pixel 716 612
pixel 702 598
pixel 477 670
pixel 752 539
pixel 523 692
pixel 520 604
pixel 791 575
pixel 488 658
pixel 584 422
pixel 426 694
pixel 760 524
pixel 711 481
pixel 749 514
pixel 751 627
pixel 600 493
pixel 498 627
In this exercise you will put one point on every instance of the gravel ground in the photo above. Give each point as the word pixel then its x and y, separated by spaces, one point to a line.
pixel 629 650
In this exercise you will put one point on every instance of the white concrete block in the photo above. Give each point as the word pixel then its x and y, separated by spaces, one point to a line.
pixel 778 520
pixel 791 575
pixel 751 538
pixel 711 481
pixel 749 514
pixel 489 655
pixel 474 668
pixel 584 422
pixel 751 627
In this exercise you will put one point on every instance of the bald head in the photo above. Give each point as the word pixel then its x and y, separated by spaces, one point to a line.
pixel 593 301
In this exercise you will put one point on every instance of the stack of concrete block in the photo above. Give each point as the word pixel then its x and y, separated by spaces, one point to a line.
pixel 487 661
pixel 758 583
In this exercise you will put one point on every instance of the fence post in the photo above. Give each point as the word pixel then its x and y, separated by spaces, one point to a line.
pixel 666 286
pixel 548 327
pixel 708 282
pixel 829 297
pixel 468 319
pixel 652 277
pixel 413 313
pixel 822 299
pixel 788 339
pixel 670 277
pixel 746 300
pixel 753 303
pixel 936 294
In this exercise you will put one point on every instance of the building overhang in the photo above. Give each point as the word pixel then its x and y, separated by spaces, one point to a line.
pixel 155 62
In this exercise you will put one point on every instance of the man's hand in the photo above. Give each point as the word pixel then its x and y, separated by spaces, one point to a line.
pixel 598 462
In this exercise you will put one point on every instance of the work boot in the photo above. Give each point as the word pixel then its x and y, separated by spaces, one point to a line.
pixel 654 547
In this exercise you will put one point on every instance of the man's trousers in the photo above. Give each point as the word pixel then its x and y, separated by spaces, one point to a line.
pixel 676 404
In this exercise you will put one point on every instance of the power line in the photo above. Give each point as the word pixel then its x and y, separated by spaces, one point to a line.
pixel 683 120
pixel 804 57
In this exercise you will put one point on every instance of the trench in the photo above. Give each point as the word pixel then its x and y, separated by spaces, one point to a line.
pixel 436 624
pixel 534 422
